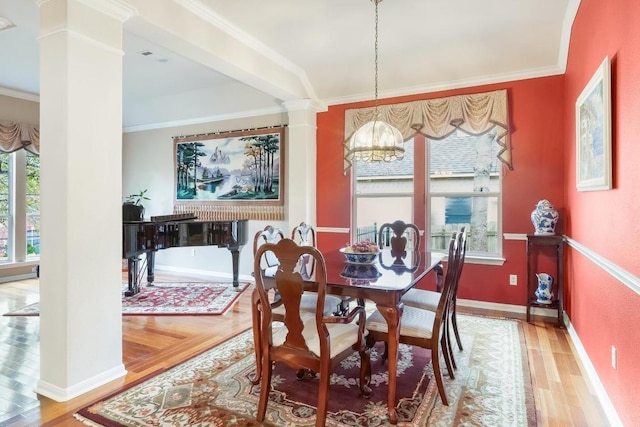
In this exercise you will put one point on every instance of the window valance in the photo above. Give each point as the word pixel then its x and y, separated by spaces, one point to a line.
pixel 437 118
pixel 15 136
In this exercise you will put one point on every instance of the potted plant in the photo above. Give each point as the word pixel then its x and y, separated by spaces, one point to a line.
pixel 132 209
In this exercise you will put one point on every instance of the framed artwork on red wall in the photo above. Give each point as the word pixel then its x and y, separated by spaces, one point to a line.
pixel 593 132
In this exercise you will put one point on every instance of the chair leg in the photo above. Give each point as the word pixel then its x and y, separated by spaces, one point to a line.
pixel 454 322
pixel 365 373
pixel 449 345
pixel 448 358
pixel 435 361
pixel 265 388
pixel 257 343
pixel 323 395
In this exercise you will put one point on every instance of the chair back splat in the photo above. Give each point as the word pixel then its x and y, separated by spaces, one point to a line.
pixel 269 262
pixel 314 343
pixel 398 240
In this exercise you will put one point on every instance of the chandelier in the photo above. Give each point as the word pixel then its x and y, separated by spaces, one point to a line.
pixel 376 140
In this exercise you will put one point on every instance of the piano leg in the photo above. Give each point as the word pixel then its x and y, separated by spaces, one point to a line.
pixel 235 257
pixel 132 276
pixel 151 261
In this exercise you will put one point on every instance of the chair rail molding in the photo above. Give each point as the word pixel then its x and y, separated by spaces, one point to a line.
pixel 617 272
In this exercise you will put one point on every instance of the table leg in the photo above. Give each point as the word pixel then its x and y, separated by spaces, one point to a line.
pixel 392 315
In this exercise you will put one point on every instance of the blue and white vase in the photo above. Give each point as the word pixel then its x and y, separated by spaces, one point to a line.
pixel 544 293
pixel 544 218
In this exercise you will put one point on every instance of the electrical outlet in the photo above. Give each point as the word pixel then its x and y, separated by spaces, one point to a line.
pixel 614 357
pixel 513 279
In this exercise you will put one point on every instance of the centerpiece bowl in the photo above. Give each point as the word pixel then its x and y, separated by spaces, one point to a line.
pixel 359 257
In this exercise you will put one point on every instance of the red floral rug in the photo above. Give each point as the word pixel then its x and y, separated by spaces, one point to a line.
pixel 492 387
pixel 186 298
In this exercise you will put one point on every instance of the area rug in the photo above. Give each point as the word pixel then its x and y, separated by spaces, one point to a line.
pixel 184 298
pixel 492 387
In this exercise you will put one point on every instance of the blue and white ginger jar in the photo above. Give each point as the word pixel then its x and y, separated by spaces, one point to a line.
pixel 544 218
pixel 544 293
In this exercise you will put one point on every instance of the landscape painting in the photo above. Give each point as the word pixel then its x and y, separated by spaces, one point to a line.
pixel 243 167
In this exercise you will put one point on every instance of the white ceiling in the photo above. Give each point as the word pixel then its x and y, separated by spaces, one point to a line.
pixel 324 50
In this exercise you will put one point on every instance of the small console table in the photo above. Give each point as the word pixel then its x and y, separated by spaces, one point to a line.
pixel 534 240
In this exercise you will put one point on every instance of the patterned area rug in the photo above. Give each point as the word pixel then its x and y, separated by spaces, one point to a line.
pixel 187 298
pixel 492 387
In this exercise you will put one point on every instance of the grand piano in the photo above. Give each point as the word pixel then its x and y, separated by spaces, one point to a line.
pixel 178 230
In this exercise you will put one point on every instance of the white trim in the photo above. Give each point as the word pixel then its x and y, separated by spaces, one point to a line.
pixel 208 14
pixel 64 394
pixel 628 279
pixel 197 272
pixel 13 93
pixel 458 84
pixel 207 119
pixel 116 9
pixel 484 260
pixel 509 308
pixel 514 236
pixel 333 230
pixel 601 393
pixel 18 277
pixel 79 36
pixel 565 34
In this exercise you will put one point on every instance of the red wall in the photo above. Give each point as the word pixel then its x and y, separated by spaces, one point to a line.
pixel 537 129
pixel 603 311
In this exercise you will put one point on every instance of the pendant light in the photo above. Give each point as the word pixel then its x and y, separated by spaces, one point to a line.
pixel 376 140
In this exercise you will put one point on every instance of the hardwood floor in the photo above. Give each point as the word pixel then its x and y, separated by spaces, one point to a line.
pixel 153 343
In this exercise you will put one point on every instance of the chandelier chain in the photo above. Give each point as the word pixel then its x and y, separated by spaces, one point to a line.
pixel 376 55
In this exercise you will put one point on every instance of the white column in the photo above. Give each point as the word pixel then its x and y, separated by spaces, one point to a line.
pixel 81 185
pixel 301 163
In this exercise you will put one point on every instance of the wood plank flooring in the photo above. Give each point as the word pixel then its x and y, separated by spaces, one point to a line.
pixel 154 343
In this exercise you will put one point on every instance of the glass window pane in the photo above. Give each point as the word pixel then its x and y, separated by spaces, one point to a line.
pixel 481 226
pixel 375 211
pixel 464 163
pixel 383 193
pixel 33 205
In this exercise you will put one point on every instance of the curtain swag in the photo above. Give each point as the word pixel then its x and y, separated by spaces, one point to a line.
pixel 438 118
pixel 15 136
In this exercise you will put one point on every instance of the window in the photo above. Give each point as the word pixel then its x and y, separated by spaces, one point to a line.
pixel 384 192
pixel 19 206
pixel 464 189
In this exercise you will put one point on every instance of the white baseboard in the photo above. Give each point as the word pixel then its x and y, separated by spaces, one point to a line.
pixel 196 272
pixel 594 379
pixel 509 308
pixel 64 394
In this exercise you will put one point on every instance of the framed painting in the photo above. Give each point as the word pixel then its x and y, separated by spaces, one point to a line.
pixel 593 132
pixel 233 175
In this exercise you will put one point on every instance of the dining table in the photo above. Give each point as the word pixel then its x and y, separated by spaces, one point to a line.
pixel 382 282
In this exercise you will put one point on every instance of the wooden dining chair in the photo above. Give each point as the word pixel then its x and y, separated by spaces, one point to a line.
pixel 398 239
pixel 428 300
pixel 268 264
pixel 315 344
pixel 305 234
pixel 423 328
